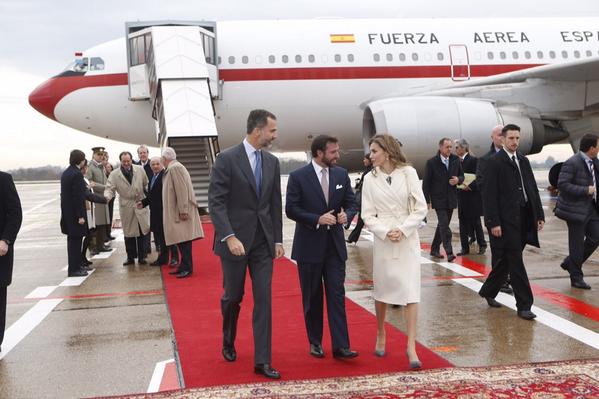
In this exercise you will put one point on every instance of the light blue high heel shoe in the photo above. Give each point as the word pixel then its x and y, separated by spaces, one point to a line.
pixel 377 349
pixel 414 364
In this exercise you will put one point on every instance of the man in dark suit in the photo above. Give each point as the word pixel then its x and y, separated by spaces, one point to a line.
pixel 442 174
pixel 11 217
pixel 470 207
pixel 496 145
pixel 577 205
pixel 320 200
pixel 154 200
pixel 144 161
pixel 245 207
pixel 513 215
pixel 73 213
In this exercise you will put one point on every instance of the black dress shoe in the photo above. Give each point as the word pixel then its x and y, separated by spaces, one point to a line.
pixel 493 303
pixel 78 273
pixel 451 257
pixel 142 261
pixel 85 268
pixel 267 371
pixel 564 266
pixel 156 263
pixel 436 255
pixel 505 288
pixel 111 238
pixel 229 353
pixel 86 262
pixel 580 284
pixel 482 250
pixel 526 314
pixel 184 273
pixel 316 350
pixel 176 271
pixel 344 353
pixel 174 263
pixel 128 262
pixel 463 252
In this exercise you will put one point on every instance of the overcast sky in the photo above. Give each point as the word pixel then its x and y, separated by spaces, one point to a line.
pixel 39 38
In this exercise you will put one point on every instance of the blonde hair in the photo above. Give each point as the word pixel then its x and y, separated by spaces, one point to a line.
pixel 392 147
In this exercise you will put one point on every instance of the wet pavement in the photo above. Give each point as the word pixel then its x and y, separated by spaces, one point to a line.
pixel 106 335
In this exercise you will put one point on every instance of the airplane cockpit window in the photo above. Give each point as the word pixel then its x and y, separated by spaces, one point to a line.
pixel 78 65
pixel 96 64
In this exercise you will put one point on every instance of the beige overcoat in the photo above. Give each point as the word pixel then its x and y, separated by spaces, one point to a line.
pixel 178 197
pixel 131 217
pixel 395 265
pixel 95 173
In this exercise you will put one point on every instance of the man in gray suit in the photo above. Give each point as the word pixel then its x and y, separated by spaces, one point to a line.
pixel 248 232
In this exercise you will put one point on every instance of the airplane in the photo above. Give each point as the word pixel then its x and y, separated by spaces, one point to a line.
pixel 417 79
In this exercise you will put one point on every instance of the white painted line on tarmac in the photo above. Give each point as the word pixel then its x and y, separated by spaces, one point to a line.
pixel 426 260
pixel 35 208
pixel 76 281
pixel 459 269
pixel 551 320
pixel 41 292
pixel 26 323
pixel 157 375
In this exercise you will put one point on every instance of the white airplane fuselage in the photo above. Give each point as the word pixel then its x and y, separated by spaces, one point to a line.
pixel 316 76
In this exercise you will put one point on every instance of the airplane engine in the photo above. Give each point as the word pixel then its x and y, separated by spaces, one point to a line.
pixel 420 122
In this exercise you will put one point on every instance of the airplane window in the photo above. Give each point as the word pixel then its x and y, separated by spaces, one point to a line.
pixel 402 57
pixel 527 55
pixel 350 57
pixel 79 65
pixel 271 59
pixel 337 58
pixel 220 60
pixel 576 54
pixel 415 56
pixel 298 58
pixel 285 59
pixel 311 58
pixel 440 56
pixel 389 57
pixel 376 57
pixel 589 53
pixel 490 55
pixel 245 59
pixel 258 59
pixel 231 59
pixel 515 55
pixel 552 54
pixel 97 64
pixel 540 55
pixel 564 54
pixel 502 55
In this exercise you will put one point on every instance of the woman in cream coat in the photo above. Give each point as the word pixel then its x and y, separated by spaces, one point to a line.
pixel 393 206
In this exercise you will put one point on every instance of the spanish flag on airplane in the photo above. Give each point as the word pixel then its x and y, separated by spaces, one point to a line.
pixel 343 38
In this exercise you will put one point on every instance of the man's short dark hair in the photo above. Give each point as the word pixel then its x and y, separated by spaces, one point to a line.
pixel 123 154
pixel 443 140
pixel 320 143
pixel 258 118
pixel 587 141
pixel 76 157
pixel 509 126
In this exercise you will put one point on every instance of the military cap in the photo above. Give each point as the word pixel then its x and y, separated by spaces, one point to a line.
pixel 98 150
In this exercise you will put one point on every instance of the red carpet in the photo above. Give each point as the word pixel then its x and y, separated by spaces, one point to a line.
pixel 194 305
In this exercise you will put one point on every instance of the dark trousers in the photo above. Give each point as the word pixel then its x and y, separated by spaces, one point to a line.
pixel 443 232
pixel 3 290
pixel 508 261
pixel 86 241
pixel 147 240
pixel 100 235
pixel 355 234
pixel 583 239
pixel 258 259
pixel 186 257
pixel 164 250
pixel 471 227
pixel 74 253
pixel 110 213
pixel 135 247
pixel 331 272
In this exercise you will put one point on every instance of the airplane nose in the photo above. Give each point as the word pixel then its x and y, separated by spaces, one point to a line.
pixel 44 98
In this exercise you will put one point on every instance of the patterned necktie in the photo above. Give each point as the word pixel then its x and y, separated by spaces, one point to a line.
pixel 258 171
pixel 446 163
pixel 153 181
pixel 324 183
pixel 592 169
pixel 521 179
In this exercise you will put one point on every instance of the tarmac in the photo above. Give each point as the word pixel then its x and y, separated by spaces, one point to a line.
pixel 105 334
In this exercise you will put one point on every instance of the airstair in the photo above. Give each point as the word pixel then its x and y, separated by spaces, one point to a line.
pixel 173 66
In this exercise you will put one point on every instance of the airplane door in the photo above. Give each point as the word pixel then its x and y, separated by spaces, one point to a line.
pixel 460 65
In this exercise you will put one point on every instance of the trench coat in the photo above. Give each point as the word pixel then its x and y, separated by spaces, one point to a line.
pixel 132 218
pixel 396 265
pixel 178 197
pixel 96 174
